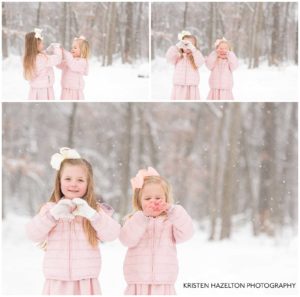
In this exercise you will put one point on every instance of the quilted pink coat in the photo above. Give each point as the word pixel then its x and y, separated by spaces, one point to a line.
pixel 69 255
pixel 151 257
pixel 73 70
pixel 185 73
pixel 221 70
pixel 44 74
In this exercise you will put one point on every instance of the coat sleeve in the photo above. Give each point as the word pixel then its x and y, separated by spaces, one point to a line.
pixel 183 229
pixel 106 227
pixel 37 228
pixel 173 55
pixel 211 60
pixel 79 65
pixel 232 61
pixel 134 229
pixel 198 58
pixel 44 61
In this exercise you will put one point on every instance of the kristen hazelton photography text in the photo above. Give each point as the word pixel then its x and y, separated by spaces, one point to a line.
pixel 239 285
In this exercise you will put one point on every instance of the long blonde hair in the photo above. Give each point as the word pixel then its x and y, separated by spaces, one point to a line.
pixel 31 51
pixel 89 196
pixel 136 199
pixel 190 57
pixel 84 47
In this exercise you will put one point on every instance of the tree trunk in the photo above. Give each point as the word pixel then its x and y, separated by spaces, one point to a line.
pixel 4 34
pixel 185 14
pixel 128 33
pixel 38 14
pixel 71 125
pixel 229 183
pixel 274 59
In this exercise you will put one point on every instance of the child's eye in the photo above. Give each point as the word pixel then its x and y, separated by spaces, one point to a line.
pixel 67 178
pixel 147 198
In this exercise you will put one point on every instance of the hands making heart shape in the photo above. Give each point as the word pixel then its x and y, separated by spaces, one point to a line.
pixel 68 209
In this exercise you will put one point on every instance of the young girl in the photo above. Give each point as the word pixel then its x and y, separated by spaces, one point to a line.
pixel 74 66
pixel 71 225
pixel 187 60
pixel 221 62
pixel 38 66
pixel 151 234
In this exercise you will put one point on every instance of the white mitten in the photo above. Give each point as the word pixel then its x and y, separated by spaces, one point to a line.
pixel 180 44
pixel 62 210
pixel 55 44
pixel 191 47
pixel 83 209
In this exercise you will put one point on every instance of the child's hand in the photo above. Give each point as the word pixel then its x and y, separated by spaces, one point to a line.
pixel 180 44
pixel 190 47
pixel 63 210
pixel 155 208
pixel 83 209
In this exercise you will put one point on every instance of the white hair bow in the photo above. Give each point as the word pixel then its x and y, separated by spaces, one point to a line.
pixel 80 37
pixel 64 153
pixel 182 34
pixel 218 41
pixel 38 33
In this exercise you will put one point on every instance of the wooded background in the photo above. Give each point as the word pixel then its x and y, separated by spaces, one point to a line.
pixel 230 165
pixel 115 30
pixel 258 31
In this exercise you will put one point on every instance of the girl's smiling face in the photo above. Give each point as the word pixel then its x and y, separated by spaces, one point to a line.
pixel 40 46
pixel 152 193
pixel 73 181
pixel 76 49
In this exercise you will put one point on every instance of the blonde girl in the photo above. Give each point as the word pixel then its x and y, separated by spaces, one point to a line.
pixel 151 233
pixel 71 226
pixel 187 59
pixel 221 62
pixel 74 66
pixel 38 66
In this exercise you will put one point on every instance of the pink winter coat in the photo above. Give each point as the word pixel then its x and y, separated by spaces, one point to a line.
pixel 185 73
pixel 44 74
pixel 151 257
pixel 221 70
pixel 73 70
pixel 69 255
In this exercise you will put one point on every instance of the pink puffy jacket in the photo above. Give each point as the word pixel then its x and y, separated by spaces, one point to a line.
pixel 152 257
pixel 69 255
pixel 221 70
pixel 44 74
pixel 185 73
pixel 73 70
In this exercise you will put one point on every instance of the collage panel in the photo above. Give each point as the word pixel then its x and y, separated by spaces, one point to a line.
pixel 97 51
pixel 232 168
pixel 246 51
pixel 124 174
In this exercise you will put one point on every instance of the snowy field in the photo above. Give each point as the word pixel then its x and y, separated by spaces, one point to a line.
pixel 242 259
pixel 262 84
pixel 114 83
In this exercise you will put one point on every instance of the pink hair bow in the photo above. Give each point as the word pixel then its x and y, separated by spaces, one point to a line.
pixel 138 181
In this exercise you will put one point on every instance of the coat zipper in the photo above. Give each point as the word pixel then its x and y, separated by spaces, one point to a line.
pixel 69 250
pixel 153 246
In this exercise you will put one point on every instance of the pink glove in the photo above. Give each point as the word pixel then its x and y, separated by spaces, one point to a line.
pixel 155 208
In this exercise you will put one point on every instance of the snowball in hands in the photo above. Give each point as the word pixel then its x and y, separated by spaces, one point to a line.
pixel 62 210
pixel 83 209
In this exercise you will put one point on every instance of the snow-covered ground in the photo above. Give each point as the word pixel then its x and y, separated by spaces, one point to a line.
pixel 261 84
pixel 241 259
pixel 114 83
